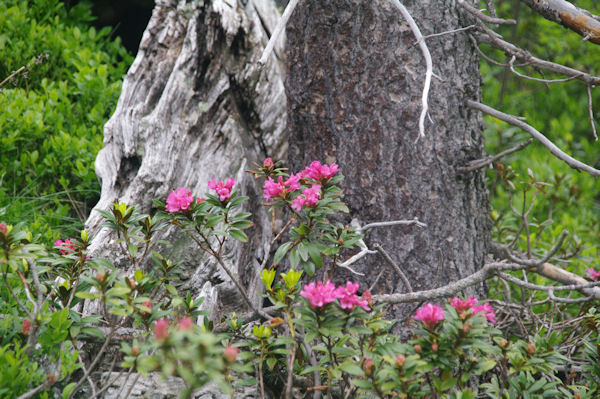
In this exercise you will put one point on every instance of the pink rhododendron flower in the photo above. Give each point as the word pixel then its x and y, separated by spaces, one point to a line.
pixel 488 312
pixel 272 189
pixel 268 163
pixel 280 188
pixel 310 197
pixel 179 200
pixel 200 200
pixel 463 304
pixel 161 330
pixel 320 294
pixel 3 229
pixel 222 189
pixel 317 172
pixel 593 274
pixel 430 314
pixel 26 327
pixel 348 298
pixel 312 194
pixel 298 203
pixel 65 247
pixel 186 324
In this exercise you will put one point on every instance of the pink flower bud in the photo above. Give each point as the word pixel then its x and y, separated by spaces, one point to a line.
pixel 268 163
pixel 400 359
pixel 230 353
pixel 26 327
pixel 186 324
pixel 368 366
pixel 147 304
pixel 161 330
pixel 3 229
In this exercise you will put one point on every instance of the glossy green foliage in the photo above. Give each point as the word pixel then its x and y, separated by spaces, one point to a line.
pixel 53 113
pixel 566 199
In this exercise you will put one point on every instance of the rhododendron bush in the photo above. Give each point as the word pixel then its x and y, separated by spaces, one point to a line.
pixel 317 335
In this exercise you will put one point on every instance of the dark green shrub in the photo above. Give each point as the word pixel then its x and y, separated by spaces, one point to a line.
pixel 53 113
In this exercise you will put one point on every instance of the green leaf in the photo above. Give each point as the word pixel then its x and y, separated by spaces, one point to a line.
pixel 281 251
pixel 448 383
pixel 242 224
pixel 303 251
pixel 238 235
pixel 352 369
pixel 315 254
pixel 68 389
pixel 88 295
pixel 364 384
pixel 271 362
pixel 294 258
pixel 309 268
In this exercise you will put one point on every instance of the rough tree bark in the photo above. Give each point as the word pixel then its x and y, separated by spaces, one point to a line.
pixel 354 85
pixel 194 106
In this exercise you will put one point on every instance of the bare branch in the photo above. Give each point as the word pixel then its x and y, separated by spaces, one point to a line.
pixel 364 251
pixel 520 54
pixel 449 289
pixel 428 63
pixel 491 8
pixel 570 287
pixel 390 262
pixel 278 30
pixel 574 18
pixel 535 262
pixel 449 32
pixel 483 17
pixel 480 163
pixel 512 69
pixel 414 221
pixel 513 120
pixel 591 112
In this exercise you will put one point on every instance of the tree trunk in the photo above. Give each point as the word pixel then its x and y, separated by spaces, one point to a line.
pixel 195 106
pixel 354 86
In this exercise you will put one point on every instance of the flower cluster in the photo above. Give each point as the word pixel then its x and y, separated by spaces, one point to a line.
pixel 179 200
pixel 182 198
pixel 348 298
pixel 313 177
pixel 66 247
pixel 319 172
pixel 463 305
pixel 280 188
pixel 320 294
pixel 309 197
pixel 223 189
pixel 430 314
pixel 593 274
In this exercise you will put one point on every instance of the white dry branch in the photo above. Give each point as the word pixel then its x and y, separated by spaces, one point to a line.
pixel 591 112
pixel 513 120
pixel 428 63
pixel 364 250
pixel 277 32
